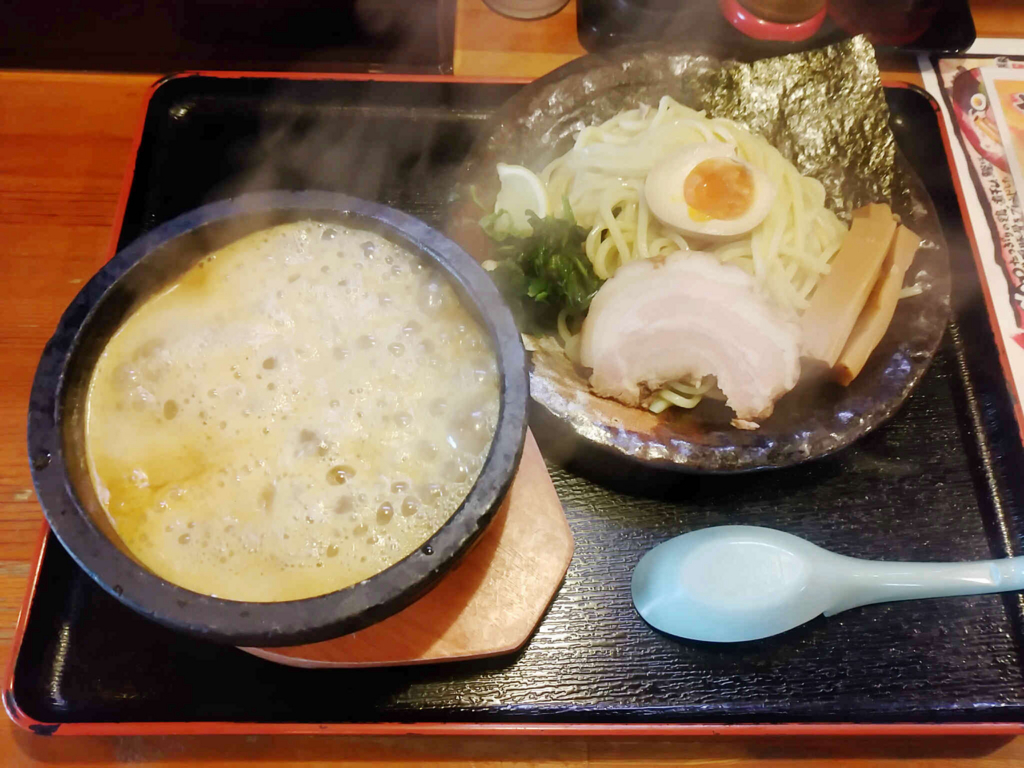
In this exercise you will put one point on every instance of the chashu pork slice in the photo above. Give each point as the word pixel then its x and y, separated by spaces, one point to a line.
pixel 688 315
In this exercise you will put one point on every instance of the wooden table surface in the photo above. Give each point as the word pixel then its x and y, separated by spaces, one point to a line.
pixel 65 143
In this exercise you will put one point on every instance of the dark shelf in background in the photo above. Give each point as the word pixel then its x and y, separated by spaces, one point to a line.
pixel 604 24
pixel 260 35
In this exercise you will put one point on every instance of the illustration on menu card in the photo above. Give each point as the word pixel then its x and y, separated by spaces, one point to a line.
pixel 981 94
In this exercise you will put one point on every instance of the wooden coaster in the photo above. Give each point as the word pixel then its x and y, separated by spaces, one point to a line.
pixel 488 605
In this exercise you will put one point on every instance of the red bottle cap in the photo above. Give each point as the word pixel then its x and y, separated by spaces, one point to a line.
pixel 759 29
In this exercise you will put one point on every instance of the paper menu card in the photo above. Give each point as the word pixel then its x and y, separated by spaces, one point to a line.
pixel 987 151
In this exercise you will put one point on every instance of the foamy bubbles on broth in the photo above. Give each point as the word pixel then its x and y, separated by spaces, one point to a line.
pixel 301 410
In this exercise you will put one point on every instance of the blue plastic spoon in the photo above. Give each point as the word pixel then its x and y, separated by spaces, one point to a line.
pixel 740 582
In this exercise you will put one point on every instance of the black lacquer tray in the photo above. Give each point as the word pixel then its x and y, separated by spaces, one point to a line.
pixel 940 481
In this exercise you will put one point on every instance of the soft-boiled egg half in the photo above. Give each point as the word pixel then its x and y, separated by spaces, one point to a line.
pixel 706 190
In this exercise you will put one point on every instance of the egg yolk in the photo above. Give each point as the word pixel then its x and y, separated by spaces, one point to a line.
pixel 718 188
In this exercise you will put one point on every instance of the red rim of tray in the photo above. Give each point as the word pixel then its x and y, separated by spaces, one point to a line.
pixel 28 723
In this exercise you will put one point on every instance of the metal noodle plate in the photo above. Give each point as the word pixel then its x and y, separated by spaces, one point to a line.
pixel 825 110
